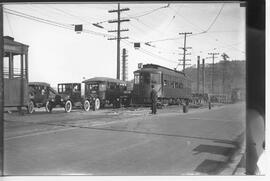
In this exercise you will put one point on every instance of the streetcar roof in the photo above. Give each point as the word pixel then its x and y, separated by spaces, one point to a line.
pixel 11 46
pixel 156 68
pixel 104 79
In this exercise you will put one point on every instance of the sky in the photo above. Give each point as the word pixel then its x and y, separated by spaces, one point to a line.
pixel 58 54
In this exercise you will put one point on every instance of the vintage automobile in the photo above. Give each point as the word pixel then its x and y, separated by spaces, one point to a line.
pixel 100 91
pixel 40 94
pixel 97 92
pixel 69 96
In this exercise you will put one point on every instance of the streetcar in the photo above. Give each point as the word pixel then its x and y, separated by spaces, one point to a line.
pixel 15 72
pixel 172 86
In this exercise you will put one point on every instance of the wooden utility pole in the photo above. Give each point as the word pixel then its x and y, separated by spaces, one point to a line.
pixel 203 75
pixel 225 56
pixel 124 65
pixel 118 21
pixel 198 75
pixel 185 49
pixel 213 64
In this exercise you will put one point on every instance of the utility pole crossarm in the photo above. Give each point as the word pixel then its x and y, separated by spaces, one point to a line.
pixel 117 21
pixel 118 38
pixel 112 31
pixel 118 10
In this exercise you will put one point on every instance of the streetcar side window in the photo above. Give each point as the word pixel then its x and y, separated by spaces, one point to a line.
pixel 164 83
pixel 155 78
pixel 172 84
pixel 176 85
pixel 181 85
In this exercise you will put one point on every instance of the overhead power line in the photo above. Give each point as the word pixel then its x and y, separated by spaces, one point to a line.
pixel 50 22
pixel 69 14
pixel 213 22
pixel 148 52
pixel 9 25
pixel 148 12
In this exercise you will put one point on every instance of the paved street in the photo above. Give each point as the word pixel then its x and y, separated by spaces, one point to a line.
pixel 124 141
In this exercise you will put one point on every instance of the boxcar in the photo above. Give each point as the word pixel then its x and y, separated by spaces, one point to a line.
pixel 104 90
pixel 16 74
pixel 172 86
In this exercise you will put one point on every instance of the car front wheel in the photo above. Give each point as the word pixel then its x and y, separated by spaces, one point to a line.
pixel 30 107
pixel 97 104
pixel 68 106
pixel 86 105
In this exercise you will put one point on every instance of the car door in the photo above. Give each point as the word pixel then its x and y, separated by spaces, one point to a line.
pixel 76 93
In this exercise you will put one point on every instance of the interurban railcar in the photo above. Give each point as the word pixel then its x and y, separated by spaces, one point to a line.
pixel 172 86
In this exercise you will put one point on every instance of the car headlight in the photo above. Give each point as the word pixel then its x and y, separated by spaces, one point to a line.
pixel 62 99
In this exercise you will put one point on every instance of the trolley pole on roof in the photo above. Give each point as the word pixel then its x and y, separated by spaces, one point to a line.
pixel 1 90
pixel 185 49
pixel 118 21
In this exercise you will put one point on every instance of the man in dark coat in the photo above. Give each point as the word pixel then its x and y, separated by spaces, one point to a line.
pixel 153 95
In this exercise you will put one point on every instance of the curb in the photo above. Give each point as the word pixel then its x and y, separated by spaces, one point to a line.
pixel 235 159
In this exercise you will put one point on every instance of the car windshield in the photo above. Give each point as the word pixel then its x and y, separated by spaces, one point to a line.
pixel 92 86
pixel 67 88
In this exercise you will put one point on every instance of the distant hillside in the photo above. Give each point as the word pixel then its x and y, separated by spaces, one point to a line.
pixel 234 77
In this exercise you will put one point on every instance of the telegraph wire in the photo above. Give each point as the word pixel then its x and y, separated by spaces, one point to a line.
pixel 10 25
pixel 149 53
pixel 213 22
pixel 50 22
pixel 69 14
pixel 38 20
pixel 148 12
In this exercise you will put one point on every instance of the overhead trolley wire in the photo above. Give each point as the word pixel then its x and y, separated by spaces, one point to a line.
pixel 148 12
pixel 213 22
pixel 149 53
pixel 50 22
pixel 9 25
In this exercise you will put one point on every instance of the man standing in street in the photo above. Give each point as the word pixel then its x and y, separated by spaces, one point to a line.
pixel 153 95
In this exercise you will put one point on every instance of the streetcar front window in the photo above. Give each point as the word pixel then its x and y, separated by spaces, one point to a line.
pixel 136 78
